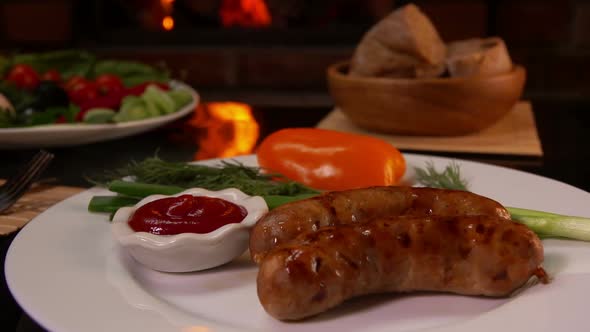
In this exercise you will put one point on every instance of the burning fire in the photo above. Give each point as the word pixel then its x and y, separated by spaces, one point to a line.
pixel 246 13
pixel 168 23
pixel 228 129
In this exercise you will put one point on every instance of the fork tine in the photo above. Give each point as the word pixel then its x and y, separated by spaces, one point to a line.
pixel 19 188
pixel 38 161
pixel 9 198
pixel 31 175
pixel 34 170
pixel 24 169
pixel 15 189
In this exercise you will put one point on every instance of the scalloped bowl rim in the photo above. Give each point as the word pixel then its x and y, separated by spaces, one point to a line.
pixel 255 205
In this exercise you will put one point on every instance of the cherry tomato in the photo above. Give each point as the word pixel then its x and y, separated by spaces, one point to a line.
pixel 108 83
pixel 23 76
pixel 331 160
pixel 72 81
pixel 51 75
pixel 82 92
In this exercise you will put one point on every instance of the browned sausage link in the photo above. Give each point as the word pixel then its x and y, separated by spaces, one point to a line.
pixel 471 255
pixel 359 205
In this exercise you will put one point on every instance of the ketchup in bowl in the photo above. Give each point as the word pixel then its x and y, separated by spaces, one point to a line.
pixel 186 214
pixel 177 233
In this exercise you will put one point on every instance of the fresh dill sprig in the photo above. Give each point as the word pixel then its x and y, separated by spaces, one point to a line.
pixel 449 178
pixel 229 174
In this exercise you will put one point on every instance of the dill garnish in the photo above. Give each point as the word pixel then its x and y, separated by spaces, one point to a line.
pixel 229 174
pixel 449 178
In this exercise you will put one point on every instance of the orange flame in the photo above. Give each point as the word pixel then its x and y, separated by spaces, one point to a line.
pixel 246 13
pixel 168 23
pixel 229 129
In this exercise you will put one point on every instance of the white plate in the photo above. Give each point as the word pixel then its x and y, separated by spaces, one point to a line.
pixel 66 271
pixel 70 134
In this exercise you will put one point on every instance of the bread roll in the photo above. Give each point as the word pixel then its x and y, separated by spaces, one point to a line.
pixel 403 44
pixel 478 56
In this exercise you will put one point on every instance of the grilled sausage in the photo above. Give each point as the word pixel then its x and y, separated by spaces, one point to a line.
pixel 471 255
pixel 359 205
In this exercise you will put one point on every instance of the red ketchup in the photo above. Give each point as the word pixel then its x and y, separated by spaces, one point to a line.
pixel 186 214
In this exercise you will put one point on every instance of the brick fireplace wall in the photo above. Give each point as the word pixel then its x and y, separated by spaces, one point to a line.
pixel 551 38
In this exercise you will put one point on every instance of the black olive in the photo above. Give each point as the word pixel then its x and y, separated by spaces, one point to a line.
pixel 49 94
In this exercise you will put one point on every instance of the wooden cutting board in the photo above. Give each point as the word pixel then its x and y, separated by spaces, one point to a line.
pixel 515 134
pixel 35 201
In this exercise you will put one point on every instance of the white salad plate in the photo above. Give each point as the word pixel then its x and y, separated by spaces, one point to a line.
pixel 71 134
pixel 67 272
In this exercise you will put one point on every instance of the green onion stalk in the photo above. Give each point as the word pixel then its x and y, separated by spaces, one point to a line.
pixel 129 193
pixel 545 224
pixel 154 176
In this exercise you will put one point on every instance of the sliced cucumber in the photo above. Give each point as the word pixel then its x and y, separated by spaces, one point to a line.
pixel 152 103
pixel 99 115
pixel 132 108
pixel 159 99
pixel 132 114
pixel 130 102
pixel 181 97
pixel 152 109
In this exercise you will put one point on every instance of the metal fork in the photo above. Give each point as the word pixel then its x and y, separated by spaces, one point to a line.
pixel 20 183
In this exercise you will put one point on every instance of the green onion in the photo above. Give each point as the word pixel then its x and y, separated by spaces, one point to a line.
pixel 110 204
pixel 155 176
pixel 544 224
pixel 250 180
pixel 131 192
pixel 137 189
pixel 547 224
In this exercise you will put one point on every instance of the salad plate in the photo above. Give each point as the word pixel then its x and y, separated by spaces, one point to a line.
pixel 63 135
pixel 68 256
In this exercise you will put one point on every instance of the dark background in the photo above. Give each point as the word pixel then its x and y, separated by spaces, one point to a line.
pixel 270 64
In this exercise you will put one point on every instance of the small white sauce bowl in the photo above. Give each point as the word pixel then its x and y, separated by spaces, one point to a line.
pixel 187 252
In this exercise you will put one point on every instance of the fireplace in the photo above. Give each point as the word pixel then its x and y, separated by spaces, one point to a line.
pixel 235 22
pixel 262 52
pixel 275 52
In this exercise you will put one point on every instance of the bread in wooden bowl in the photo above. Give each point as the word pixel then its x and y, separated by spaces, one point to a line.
pixel 447 106
pixel 403 44
pixel 478 56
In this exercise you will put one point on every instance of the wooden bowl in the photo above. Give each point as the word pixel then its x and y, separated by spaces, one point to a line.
pixel 435 107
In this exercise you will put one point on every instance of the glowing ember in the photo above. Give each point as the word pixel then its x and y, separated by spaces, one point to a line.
pixel 229 129
pixel 167 6
pixel 246 13
pixel 168 23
